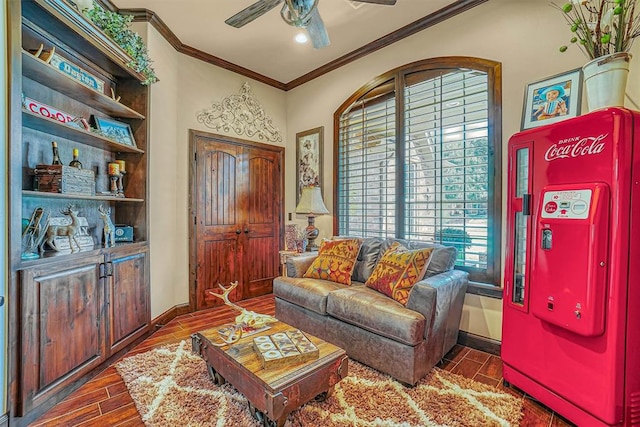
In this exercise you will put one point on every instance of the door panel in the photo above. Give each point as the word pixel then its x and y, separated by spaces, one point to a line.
pixel 217 224
pixel 128 299
pixel 219 170
pixel 263 238
pixel 237 226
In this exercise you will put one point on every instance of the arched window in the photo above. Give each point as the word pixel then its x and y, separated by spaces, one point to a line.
pixel 418 157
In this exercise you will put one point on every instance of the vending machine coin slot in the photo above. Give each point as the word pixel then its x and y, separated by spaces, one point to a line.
pixel 546 240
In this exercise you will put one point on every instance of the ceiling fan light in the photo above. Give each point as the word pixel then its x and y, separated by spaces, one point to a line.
pixel 301 38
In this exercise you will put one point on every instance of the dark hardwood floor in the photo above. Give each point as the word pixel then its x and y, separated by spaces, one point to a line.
pixel 104 401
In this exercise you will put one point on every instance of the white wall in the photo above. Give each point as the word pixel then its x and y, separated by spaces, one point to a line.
pixel 524 35
pixel 186 87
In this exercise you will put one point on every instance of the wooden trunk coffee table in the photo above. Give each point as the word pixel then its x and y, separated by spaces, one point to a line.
pixel 275 392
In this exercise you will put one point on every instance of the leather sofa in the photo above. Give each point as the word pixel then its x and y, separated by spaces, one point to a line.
pixel 402 341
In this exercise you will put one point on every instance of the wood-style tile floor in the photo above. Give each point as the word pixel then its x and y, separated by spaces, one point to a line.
pixel 104 401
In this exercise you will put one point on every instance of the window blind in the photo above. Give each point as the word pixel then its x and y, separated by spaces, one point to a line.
pixel 366 196
pixel 416 158
pixel 446 153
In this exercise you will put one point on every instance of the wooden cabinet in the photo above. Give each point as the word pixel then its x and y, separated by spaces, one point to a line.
pixel 127 296
pixel 72 310
pixel 63 326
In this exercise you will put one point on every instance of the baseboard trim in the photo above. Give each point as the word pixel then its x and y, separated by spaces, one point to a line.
pixel 169 315
pixel 478 342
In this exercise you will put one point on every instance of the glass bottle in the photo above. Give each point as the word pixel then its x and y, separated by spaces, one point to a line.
pixel 75 163
pixel 56 155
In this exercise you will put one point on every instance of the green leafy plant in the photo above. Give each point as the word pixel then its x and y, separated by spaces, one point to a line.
pixel 602 27
pixel 455 237
pixel 116 26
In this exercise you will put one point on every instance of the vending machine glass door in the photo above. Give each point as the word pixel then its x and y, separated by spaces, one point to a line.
pixel 516 280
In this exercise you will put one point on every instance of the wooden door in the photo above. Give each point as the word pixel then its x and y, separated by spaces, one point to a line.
pixel 261 240
pixel 236 204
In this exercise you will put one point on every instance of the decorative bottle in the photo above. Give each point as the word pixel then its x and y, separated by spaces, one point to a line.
pixel 75 163
pixel 56 155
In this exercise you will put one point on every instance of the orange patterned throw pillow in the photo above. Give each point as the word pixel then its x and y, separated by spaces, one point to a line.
pixel 335 261
pixel 397 272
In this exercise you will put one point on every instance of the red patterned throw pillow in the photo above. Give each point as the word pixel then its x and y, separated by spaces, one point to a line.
pixel 335 261
pixel 397 272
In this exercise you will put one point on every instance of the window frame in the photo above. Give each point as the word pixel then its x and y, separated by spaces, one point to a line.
pixel 492 275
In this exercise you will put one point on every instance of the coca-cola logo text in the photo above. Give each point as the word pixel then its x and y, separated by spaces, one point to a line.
pixel 582 147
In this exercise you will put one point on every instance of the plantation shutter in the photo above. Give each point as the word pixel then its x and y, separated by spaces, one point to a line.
pixel 366 195
pixel 447 161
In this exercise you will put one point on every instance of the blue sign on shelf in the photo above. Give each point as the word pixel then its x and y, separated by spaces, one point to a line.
pixel 77 73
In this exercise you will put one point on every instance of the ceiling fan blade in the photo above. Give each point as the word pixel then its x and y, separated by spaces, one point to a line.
pixel 317 31
pixel 387 2
pixel 254 11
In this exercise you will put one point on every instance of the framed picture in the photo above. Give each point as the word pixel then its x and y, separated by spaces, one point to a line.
pixel 115 130
pixel 309 159
pixel 552 99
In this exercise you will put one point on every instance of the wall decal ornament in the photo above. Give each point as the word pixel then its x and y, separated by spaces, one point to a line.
pixel 243 114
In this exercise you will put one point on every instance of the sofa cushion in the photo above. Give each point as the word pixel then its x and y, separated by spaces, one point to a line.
pixel 398 270
pixel 308 293
pixel 375 312
pixel 367 259
pixel 443 258
pixel 335 261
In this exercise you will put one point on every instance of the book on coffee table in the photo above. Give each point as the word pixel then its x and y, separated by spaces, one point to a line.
pixel 284 348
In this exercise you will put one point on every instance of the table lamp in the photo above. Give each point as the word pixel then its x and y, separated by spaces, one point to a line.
pixel 311 204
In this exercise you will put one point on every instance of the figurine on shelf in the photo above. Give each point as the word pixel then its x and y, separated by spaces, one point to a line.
pixel 68 230
pixel 109 230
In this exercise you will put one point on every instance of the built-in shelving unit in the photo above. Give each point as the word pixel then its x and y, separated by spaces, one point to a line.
pixel 74 310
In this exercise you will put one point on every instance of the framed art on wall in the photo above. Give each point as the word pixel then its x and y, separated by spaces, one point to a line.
pixel 552 99
pixel 309 159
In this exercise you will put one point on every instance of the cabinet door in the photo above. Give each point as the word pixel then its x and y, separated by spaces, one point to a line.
pixel 62 328
pixel 128 293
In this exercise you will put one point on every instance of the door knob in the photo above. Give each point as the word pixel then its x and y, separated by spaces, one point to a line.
pixel 246 230
pixel 238 231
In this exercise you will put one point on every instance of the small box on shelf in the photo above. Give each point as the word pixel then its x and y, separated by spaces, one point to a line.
pixel 124 233
pixel 64 179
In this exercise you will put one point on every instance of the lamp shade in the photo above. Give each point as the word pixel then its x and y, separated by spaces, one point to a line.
pixel 311 202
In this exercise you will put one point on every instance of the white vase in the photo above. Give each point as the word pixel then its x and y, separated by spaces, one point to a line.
pixel 605 79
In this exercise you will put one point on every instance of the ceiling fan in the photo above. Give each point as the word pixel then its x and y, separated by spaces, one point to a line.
pixel 297 13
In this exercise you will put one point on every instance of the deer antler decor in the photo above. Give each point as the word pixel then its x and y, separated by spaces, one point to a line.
pixel 246 317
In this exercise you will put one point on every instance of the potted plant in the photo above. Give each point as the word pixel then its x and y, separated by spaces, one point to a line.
pixel 116 26
pixel 605 31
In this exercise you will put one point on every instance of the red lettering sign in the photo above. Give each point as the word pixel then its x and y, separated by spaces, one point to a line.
pixel 584 147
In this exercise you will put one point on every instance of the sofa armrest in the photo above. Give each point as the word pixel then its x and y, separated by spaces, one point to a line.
pixel 440 299
pixel 299 264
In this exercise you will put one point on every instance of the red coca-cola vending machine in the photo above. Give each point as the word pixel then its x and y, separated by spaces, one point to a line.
pixel 571 318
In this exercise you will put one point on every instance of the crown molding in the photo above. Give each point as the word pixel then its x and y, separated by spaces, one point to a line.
pixel 145 15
